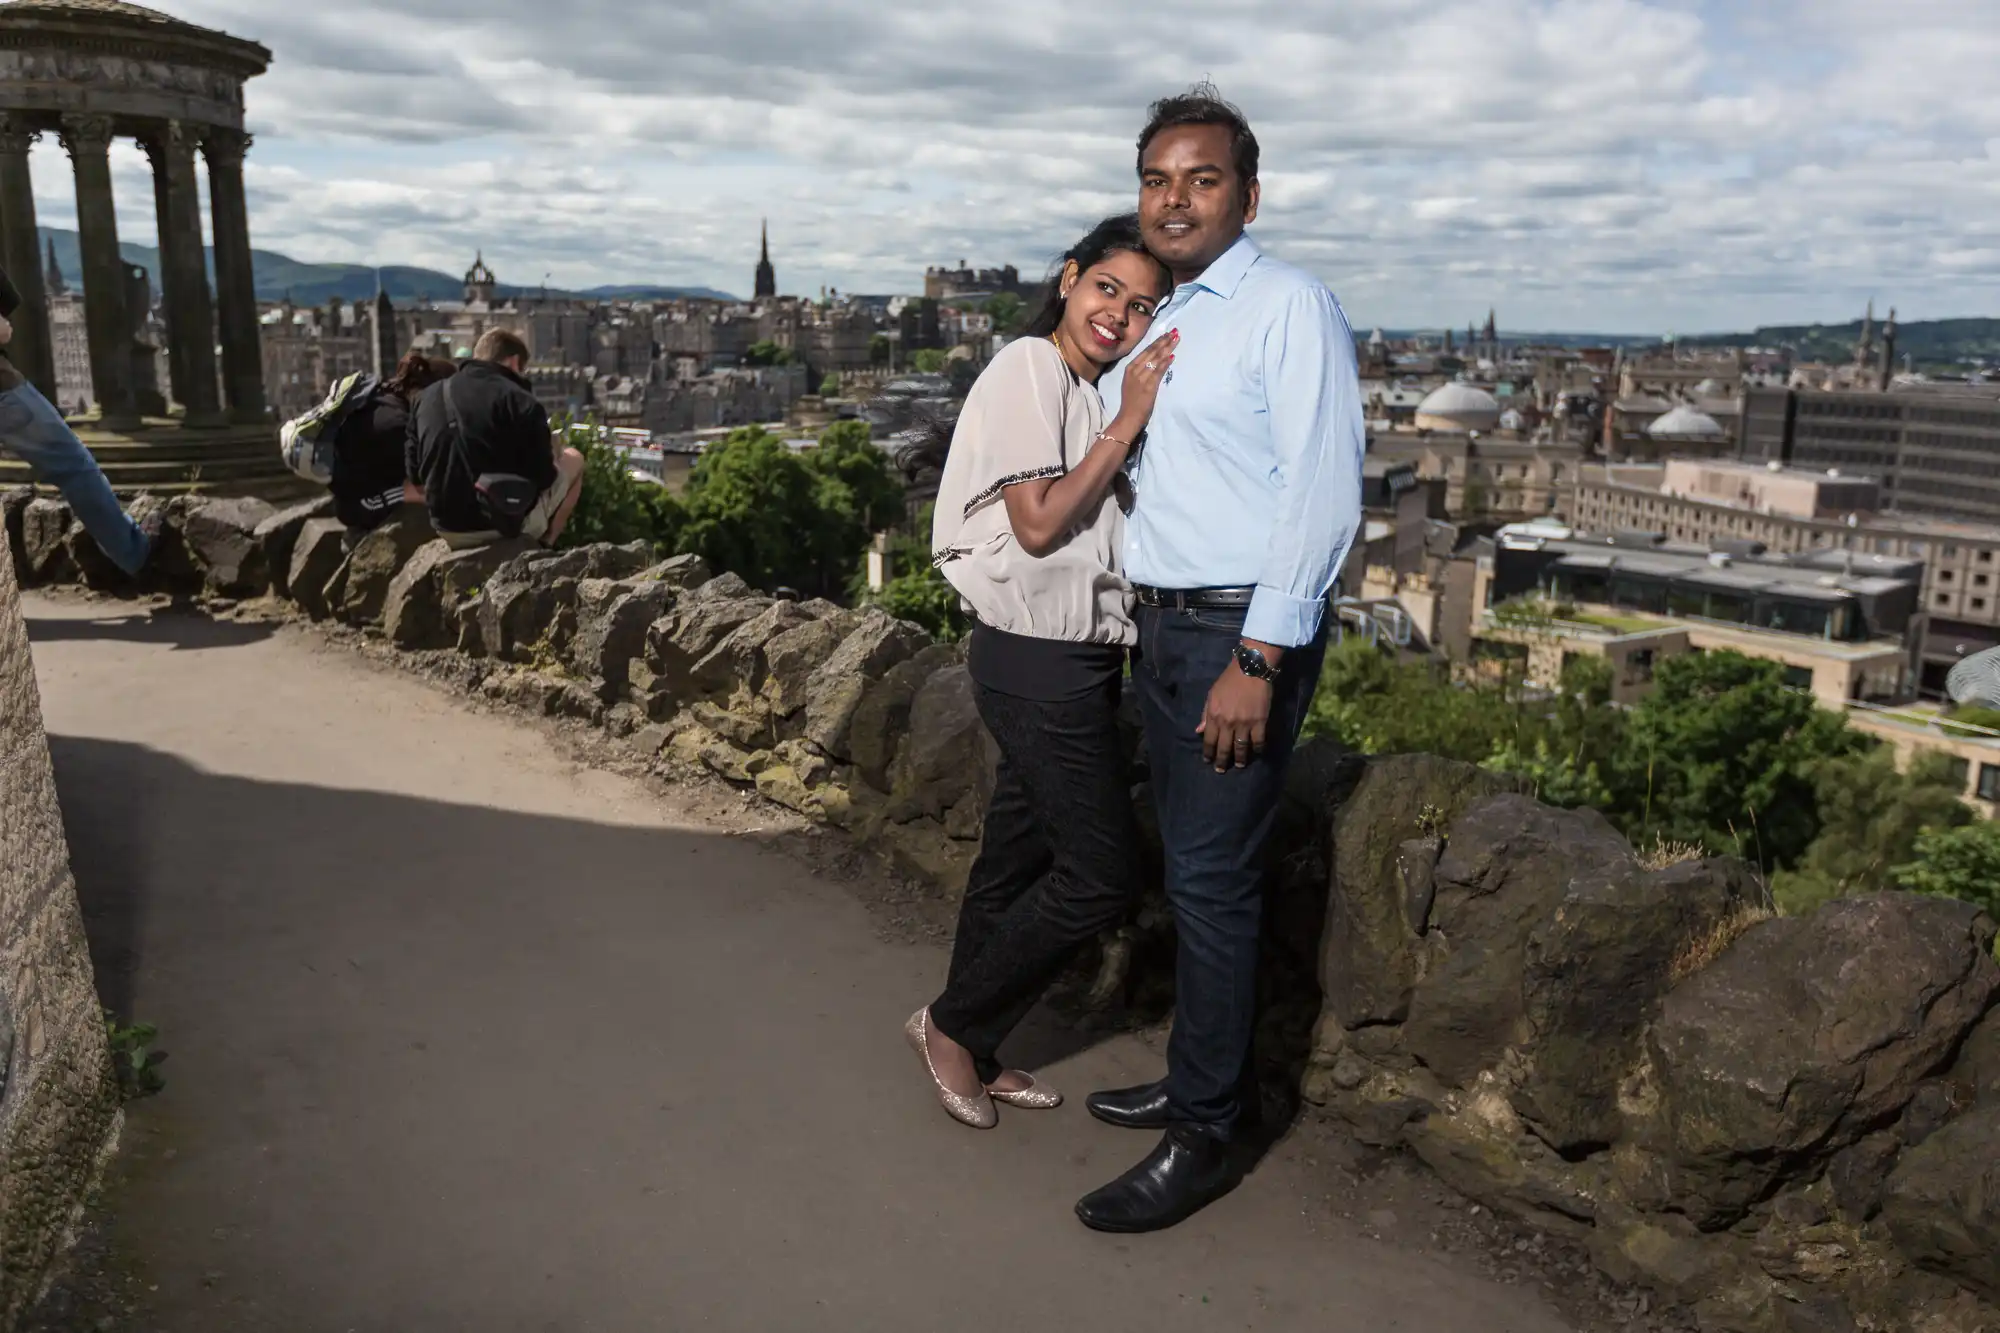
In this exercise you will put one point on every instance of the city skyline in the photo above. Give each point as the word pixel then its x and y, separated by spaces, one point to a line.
pixel 1620 166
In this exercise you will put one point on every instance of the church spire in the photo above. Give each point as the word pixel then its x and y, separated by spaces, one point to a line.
pixel 53 279
pixel 767 276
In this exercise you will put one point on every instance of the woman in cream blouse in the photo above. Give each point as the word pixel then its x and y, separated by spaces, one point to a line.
pixel 1030 517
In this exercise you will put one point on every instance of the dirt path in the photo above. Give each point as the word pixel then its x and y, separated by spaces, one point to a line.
pixel 465 1036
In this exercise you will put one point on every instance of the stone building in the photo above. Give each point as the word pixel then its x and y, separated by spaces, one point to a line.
pixel 1934 448
pixel 942 284
pixel 1793 511
pixel 306 350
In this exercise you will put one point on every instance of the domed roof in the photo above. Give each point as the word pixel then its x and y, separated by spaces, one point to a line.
pixel 57 19
pixel 1684 423
pixel 1458 407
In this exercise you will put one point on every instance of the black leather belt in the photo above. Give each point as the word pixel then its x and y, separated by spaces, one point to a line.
pixel 1194 599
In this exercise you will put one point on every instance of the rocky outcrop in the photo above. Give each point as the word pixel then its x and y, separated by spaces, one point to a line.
pixel 1775 1124
pixel 58 1098
pixel 221 537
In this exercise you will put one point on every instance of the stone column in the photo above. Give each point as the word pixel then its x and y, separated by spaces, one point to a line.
pixel 33 349
pixel 184 276
pixel 235 284
pixel 88 142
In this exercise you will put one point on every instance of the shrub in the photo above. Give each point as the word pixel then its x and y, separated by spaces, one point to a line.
pixel 616 506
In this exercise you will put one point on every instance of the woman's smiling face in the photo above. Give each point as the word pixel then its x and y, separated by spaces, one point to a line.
pixel 1111 305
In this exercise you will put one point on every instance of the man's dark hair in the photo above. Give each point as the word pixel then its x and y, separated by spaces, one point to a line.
pixel 1203 105
pixel 500 345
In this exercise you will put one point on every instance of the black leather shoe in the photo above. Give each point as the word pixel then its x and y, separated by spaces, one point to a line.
pixel 1188 1171
pixel 1143 1107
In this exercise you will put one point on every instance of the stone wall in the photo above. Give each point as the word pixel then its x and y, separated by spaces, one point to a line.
pixel 58 1098
pixel 1774 1123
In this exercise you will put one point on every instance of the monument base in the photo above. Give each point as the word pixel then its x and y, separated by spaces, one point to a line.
pixel 165 457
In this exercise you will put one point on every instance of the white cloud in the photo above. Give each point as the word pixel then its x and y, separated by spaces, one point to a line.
pixel 1606 164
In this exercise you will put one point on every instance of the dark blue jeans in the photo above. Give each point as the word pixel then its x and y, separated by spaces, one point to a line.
pixel 1214 827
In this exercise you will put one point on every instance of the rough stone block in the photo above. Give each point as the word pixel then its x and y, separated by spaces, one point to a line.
pixel 611 634
pixel 1372 959
pixel 45 527
pixel 1806 1035
pixel 739 659
pixel 279 533
pixel 881 717
pixel 376 560
pixel 792 656
pixel 834 690
pixel 221 536
pixel 318 556
pixel 1507 864
pixel 1943 1202
pixel 944 756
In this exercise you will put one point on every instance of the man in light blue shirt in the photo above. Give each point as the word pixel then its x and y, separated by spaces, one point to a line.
pixel 1248 495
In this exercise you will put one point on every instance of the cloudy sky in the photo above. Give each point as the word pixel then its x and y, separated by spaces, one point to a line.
pixel 1603 165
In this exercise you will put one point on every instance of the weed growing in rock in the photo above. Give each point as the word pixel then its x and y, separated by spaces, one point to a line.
pixel 1705 948
pixel 133 1059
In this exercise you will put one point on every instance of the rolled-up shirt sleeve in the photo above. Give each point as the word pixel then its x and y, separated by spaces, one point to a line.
pixel 1312 392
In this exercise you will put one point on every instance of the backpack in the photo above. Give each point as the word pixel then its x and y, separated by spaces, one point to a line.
pixel 306 441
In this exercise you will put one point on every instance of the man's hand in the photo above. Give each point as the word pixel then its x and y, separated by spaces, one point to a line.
pixel 1232 724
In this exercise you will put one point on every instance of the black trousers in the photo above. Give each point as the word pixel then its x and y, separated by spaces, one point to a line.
pixel 1057 863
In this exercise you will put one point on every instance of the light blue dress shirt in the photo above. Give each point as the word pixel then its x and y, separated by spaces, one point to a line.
pixel 1251 471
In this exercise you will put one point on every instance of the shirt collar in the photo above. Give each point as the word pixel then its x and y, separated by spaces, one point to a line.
pixel 1226 274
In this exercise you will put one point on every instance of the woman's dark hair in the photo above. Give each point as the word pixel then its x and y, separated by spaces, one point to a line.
pixel 417 372
pixel 1115 234
pixel 1107 238
pixel 1203 105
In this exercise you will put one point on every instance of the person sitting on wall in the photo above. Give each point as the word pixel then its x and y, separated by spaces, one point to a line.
pixel 34 430
pixel 369 477
pixel 481 451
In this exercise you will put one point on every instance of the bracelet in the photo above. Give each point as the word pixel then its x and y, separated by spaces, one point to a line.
pixel 1107 435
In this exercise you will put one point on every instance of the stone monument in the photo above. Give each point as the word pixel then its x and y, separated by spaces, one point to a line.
pixel 89 72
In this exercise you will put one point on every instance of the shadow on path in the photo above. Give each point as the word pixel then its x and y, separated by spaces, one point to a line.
pixel 175 628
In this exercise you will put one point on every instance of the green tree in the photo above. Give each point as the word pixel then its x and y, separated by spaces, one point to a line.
pixel 1962 862
pixel 1370 702
pixel 1007 312
pixel 830 386
pixel 1870 819
pixel 859 495
pixel 755 509
pixel 927 360
pixel 1572 740
pixel 878 350
pixel 767 353
pixel 616 506
pixel 1722 753
pixel 915 590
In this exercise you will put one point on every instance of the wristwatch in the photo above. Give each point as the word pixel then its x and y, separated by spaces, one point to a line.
pixel 1252 664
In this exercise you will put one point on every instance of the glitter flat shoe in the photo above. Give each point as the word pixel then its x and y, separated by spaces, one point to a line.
pixel 975 1111
pixel 1037 1096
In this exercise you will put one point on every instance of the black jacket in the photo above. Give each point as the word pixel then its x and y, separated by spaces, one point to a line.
pixel 368 460
pixel 506 430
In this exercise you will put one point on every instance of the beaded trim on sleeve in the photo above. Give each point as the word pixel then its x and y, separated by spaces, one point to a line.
pixel 949 554
pixel 1016 479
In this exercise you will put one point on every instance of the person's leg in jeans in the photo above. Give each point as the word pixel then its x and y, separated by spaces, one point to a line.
pixel 31 427
pixel 1072 770
pixel 1214 827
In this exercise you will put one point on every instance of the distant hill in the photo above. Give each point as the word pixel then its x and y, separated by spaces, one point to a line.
pixel 1934 342
pixel 313 284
